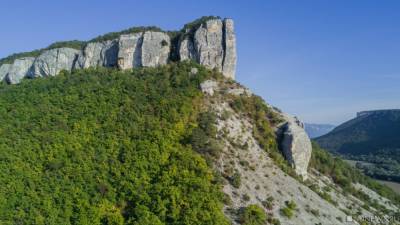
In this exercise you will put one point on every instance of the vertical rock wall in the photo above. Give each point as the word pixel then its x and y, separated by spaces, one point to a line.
pixel 211 44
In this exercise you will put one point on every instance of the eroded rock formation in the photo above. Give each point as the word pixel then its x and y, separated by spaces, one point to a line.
pixel 51 62
pixel 19 69
pixel 295 144
pixel 211 43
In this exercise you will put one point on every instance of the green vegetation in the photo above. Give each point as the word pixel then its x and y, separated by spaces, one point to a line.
pixel 252 215
pixel 115 35
pixel 235 180
pixel 203 138
pixel 344 175
pixel 101 146
pixel 371 139
pixel 264 119
pixel 269 203
pixel 288 210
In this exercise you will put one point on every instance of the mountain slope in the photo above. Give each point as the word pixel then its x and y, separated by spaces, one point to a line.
pixel 105 147
pixel 315 130
pixel 372 140
pixel 163 135
pixel 365 134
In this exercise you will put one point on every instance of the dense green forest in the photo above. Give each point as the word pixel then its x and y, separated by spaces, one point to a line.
pixel 101 146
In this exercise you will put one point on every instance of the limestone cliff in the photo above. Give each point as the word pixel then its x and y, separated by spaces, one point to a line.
pixel 210 42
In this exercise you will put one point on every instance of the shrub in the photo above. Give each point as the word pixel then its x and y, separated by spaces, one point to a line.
pixel 252 215
pixel 288 211
pixel 235 180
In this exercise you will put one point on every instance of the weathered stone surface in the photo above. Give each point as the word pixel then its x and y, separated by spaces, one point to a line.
pixel 208 43
pixel 296 145
pixel 229 63
pixel 239 91
pixel 19 69
pixel 213 45
pixel 51 62
pixel 4 70
pixel 155 49
pixel 209 87
pixel 130 52
pixel 186 50
pixel 97 54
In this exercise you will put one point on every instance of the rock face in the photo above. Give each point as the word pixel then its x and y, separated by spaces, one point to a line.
pixel 51 62
pixel 19 69
pixel 129 54
pixel 186 50
pixel 4 71
pixel 155 49
pixel 147 49
pixel 208 43
pixel 208 87
pixel 295 145
pixel 229 64
pixel 97 54
pixel 213 45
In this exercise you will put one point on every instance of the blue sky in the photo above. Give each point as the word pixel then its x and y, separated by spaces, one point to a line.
pixel 320 60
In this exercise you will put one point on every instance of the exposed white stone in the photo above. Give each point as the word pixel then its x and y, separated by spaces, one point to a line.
pixel 4 71
pixel 208 87
pixel 19 69
pixel 130 53
pixel 155 49
pixel 53 61
pixel 208 42
pixel 97 54
pixel 229 63
pixel 186 50
pixel 296 145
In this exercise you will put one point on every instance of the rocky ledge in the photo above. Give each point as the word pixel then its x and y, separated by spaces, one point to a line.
pixel 211 43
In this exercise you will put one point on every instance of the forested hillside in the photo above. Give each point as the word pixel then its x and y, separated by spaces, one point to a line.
pixel 101 146
pixel 371 137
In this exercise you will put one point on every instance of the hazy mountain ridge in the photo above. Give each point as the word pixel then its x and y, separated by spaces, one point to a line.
pixel 316 130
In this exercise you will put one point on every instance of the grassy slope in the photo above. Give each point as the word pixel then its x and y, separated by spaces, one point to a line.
pixel 105 147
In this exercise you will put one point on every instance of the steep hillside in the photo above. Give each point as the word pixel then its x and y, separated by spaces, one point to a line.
pixel 105 147
pixel 372 140
pixel 316 130
pixel 257 177
pixel 365 134
pixel 146 127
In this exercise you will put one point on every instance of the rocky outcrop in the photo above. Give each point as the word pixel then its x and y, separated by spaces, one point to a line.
pixel 295 144
pixel 97 54
pixel 147 49
pixel 19 69
pixel 186 50
pixel 229 63
pixel 51 62
pixel 155 49
pixel 129 54
pixel 209 87
pixel 212 44
pixel 208 44
pixel 4 71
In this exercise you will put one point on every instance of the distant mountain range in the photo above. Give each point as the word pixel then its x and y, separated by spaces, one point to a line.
pixel 315 130
pixel 369 132
pixel 373 137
